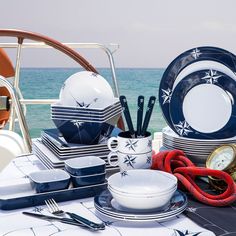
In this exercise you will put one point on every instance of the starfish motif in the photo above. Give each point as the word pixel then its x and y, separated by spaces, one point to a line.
pixel 184 233
pixel 196 53
pixel 94 74
pixel 82 104
pixel 130 160
pixel 131 144
pixel 166 95
pixel 211 77
pixel 37 209
pixel 149 143
pixel 183 128
pixel 149 160
pixel 77 123
pixel 123 173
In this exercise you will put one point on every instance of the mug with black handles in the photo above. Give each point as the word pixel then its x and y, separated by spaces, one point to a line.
pixel 132 153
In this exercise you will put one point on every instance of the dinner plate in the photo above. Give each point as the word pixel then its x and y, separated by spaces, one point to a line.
pixel 203 106
pixel 105 204
pixel 183 60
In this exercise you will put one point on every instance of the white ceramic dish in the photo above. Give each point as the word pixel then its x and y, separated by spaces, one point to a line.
pixel 142 182
pixel 142 202
pixel 86 89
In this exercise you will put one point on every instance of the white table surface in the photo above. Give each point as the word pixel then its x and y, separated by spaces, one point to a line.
pixel 15 223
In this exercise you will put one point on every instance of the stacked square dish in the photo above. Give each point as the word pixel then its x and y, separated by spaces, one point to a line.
pixel 86 170
pixel 197 96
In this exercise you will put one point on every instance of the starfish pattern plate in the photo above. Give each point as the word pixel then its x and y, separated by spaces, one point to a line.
pixel 182 61
pixel 203 106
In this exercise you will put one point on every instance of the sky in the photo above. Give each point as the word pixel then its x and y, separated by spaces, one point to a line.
pixel 150 33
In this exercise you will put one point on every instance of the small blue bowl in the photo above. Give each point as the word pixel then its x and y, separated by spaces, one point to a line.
pixel 50 180
pixel 82 132
pixel 88 165
pixel 79 181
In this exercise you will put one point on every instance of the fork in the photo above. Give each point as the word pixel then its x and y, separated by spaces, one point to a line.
pixel 55 210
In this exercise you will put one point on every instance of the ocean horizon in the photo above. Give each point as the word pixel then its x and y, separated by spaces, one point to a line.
pixel 46 83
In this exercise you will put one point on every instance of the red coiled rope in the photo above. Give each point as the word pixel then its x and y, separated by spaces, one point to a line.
pixel 177 163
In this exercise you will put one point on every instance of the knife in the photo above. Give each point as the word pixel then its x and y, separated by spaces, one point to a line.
pixel 148 114
pixel 124 105
pixel 53 218
pixel 140 114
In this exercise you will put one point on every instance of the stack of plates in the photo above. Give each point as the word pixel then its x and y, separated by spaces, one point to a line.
pixel 84 114
pixel 106 205
pixel 196 149
pixel 52 149
pixel 197 96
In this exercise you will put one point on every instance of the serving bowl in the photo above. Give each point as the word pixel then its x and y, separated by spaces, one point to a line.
pixel 88 165
pixel 50 180
pixel 142 201
pixel 85 180
pixel 142 189
pixel 86 89
pixel 142 182
pixel 86 132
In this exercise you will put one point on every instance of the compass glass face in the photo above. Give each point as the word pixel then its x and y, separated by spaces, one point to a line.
pixel 222 158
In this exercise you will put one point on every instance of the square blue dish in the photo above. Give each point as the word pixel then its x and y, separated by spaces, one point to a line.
pixel 87 165
pixel 86 180
pixel 50 180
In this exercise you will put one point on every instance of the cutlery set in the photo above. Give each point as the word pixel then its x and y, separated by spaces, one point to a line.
pixel 141 125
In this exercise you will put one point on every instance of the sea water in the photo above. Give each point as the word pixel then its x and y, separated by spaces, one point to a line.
pixel 46 83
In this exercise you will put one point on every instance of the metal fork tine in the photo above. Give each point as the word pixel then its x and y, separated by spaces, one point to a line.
pixel 55 208
pixel 55 204
pixel 49 206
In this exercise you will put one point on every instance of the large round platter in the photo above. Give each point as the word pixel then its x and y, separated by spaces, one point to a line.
pixel 185 59
pixel 106 205
pixel 203 106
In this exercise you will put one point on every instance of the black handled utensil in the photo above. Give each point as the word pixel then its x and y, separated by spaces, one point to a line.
pixel 140 114
pixel 124 104
pixel 148 114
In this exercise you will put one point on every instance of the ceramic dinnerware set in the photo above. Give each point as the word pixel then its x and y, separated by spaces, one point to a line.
pixel 197 96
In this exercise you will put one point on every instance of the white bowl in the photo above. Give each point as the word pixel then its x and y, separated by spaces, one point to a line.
pixel 142 202
pixel 142 194
pixel 86 89
pixel 142 182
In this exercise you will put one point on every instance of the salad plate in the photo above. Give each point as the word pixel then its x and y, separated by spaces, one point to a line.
pixel 106 205
pixel 212 115
pixel 183 60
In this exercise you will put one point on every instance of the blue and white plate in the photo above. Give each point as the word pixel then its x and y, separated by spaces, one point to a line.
pixel 182 61
pixel 106 205
pixel 203 106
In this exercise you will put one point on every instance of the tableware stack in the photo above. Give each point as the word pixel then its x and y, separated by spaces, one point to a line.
pixel 86 170
pixel 197 96
pixel 141 195
pixel 86 109
pixel 138 189
pixel 53 150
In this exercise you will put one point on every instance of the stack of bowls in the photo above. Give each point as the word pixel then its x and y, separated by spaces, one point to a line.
pixel 87 108
pixel 86 170
pixel 142 189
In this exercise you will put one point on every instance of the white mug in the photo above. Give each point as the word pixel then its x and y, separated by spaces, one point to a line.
pixel 125 144
pixel 128 161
